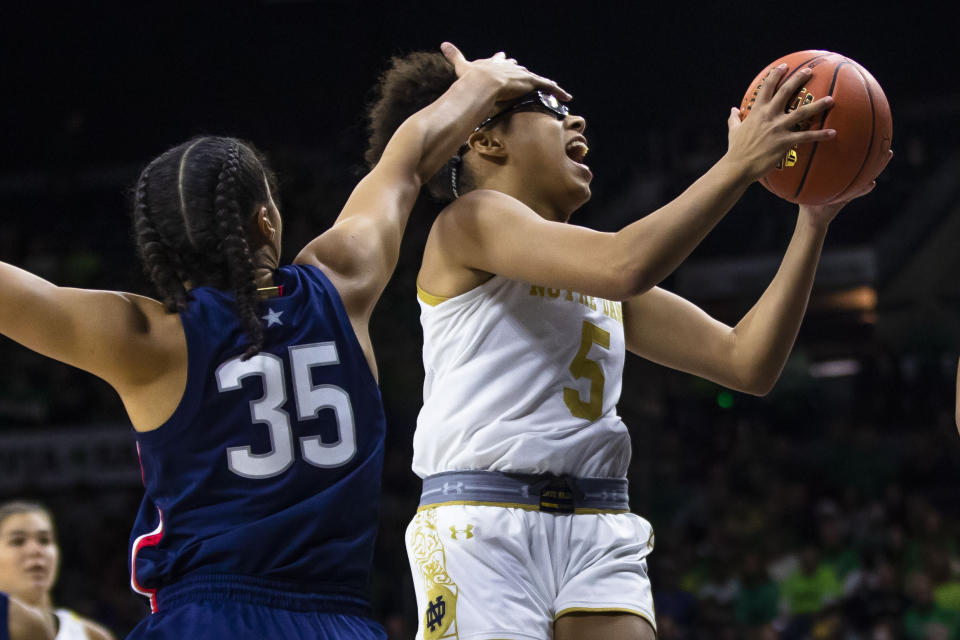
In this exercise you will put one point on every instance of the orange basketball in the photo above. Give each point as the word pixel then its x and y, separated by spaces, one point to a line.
pixel 830 171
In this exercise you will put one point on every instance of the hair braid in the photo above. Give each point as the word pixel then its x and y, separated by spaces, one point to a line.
pixel 236 250
pixel 160 261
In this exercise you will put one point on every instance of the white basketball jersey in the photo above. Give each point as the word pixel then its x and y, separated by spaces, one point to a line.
pixel 70 626
pixel 524 379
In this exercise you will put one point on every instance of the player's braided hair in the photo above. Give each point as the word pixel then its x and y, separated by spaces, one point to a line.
pixel 192 208
pixel 409 84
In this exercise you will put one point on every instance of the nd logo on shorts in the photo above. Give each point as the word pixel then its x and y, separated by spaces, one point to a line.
pixel 429 556
pixel 441 611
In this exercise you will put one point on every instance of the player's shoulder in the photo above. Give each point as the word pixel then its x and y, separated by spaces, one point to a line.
pixel 480 207
pixel 486 198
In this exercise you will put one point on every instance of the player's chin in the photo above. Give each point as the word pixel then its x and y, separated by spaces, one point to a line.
pixel 576 198
pixel 580 190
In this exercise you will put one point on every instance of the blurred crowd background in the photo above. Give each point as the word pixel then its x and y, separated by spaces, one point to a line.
pixel 828 509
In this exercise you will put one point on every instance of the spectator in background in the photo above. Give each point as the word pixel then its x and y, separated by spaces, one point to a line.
pixel 29 563
pixel 808 591
pixel 924 616
pixel 927 533
pixel 670 599
pixel 835 551
pixel 941 567
pixel 878 600
pixel 758 597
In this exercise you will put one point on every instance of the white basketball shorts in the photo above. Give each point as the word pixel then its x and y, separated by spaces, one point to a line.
pixel 485 573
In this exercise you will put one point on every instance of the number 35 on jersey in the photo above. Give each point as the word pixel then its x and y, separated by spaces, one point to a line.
pixel 268 410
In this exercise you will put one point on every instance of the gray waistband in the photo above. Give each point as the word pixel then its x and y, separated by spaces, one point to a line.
pixel 558 494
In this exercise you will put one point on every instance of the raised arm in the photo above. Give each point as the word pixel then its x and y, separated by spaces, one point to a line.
pixel 97 331
pixel 360 251
pixel 519 244
pixel 750 356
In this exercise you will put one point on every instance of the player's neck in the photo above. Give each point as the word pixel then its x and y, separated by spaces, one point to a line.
pixel 516 187
pixel 37 597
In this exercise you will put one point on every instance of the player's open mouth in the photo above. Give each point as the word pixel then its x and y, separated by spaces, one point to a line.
pixel 577 149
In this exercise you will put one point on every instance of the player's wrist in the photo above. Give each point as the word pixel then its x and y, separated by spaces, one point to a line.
pixel 816 219
pixel 735 170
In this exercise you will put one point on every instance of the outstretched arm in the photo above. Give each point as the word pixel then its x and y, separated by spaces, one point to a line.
pixel 750 356
pixel 360 251
pixel 128 340
pixel 495 233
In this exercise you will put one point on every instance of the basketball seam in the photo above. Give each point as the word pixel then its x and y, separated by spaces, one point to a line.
pixel 873 132
pixel 813 152
pixel 802 65
pixel 793 71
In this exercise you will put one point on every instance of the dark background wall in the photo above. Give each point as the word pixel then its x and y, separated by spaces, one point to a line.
pixel 90 93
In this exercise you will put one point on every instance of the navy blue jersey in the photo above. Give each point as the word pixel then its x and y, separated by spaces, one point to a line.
pixel 4 612
pixel 268 472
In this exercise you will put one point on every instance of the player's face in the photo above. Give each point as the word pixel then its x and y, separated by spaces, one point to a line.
pixel 549 153
pixel 29 555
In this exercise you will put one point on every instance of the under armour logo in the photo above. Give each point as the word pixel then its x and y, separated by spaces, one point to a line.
pixel 452 487
pixel 454 531
pixel 436 610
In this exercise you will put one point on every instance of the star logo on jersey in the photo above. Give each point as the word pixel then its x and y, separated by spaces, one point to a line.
pixel 273 317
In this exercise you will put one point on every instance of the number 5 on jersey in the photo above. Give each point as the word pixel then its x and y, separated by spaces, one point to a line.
pixel 584 367
pixel 268 410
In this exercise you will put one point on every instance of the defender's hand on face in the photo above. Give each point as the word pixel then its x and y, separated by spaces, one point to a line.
pixel 756 143
pixel 514 80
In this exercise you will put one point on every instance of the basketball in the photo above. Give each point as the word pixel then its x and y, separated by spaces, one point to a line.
pixel 830 171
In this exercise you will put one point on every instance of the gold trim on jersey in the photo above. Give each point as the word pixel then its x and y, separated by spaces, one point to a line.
pixel 479 503
pixel 440 615
pixel 607 610
pixel 429 298
pixel 513 505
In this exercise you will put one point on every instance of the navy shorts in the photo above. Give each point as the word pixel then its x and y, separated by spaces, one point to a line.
pixel 224 607
pixel 241 621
